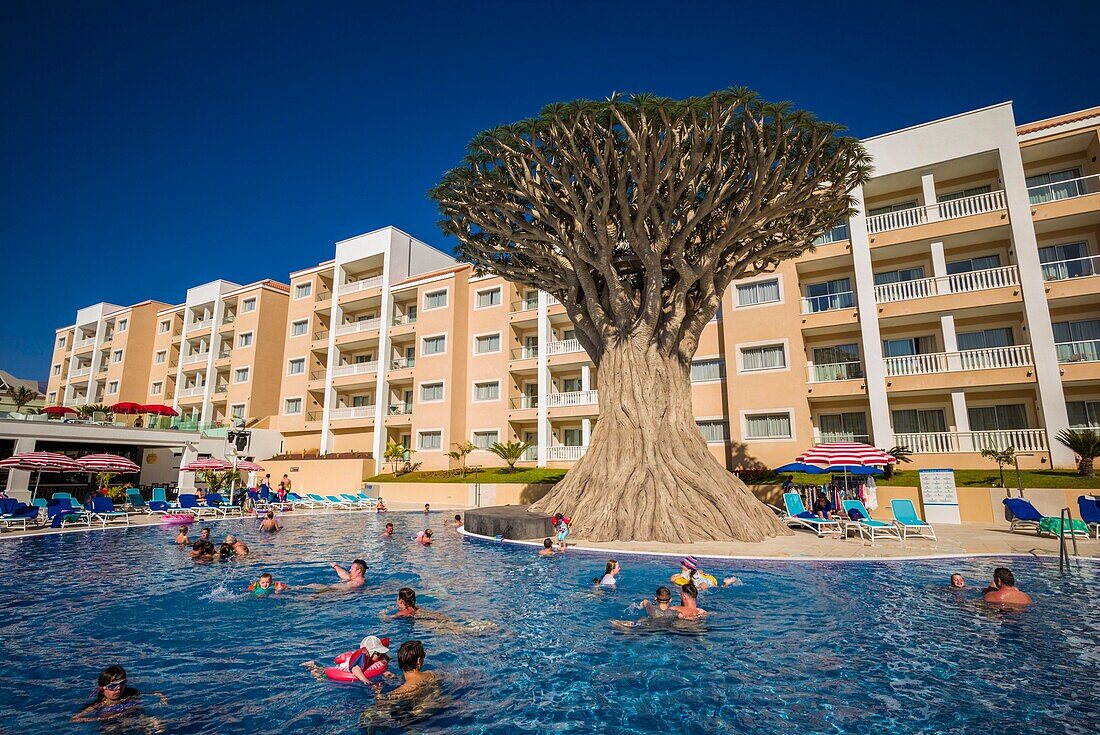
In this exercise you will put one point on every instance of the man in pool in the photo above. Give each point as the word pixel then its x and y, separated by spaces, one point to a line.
pixel 547 548
pixel 355 576
pixel 389 531
pixel 1004 590
pixel 410 657
pixel 688 609
pixel 427 508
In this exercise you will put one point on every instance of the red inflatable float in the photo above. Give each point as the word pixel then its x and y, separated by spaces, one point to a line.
pixel 341 673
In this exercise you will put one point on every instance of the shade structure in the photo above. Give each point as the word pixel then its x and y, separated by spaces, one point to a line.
pixel 57 410
pixel 210 464
pixel 247 466
pixel 851 453
pixel 858 470
pixel 800 467
pixel 107 463
pixel 127 407
pixel 160 409
pixel 41 462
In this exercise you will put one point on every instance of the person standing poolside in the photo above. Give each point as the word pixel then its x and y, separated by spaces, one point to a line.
pixel 381 507
pixel 561 525
pixel 547 548
pixel 688 609
pixel 388 533
pixel 1004 589
pixel 113 696
pixel 410 657
pixel 611 571
pixel 181 535
pixel 270 523
pixel 284 488
pixel 355 576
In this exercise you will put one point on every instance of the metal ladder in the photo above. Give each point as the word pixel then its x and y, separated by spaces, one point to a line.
pixel 1065 520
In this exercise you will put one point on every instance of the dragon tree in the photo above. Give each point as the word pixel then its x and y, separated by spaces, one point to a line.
pixel 637 214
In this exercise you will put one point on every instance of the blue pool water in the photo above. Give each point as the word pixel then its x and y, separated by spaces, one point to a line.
pixel 797 648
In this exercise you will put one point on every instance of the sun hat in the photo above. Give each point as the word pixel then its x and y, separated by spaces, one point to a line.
pixel 690 563
pixel 374 644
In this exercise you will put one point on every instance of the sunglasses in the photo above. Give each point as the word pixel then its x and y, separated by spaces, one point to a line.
pixel 114 686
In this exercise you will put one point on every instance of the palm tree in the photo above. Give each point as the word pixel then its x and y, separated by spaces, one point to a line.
pixel 21 396
pixel 395 453
pixel 459 454
pixel 901 454
pixel 1085 443
pixel 86 411
pixel 511 452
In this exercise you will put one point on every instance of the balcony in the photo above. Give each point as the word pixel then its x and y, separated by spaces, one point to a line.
pixel 361 285
pixel 399 409
pixel 358 368
pixel 224 354
pixel 73 402
pixel 402 363
pixel 81 343
pixel 978 204
pixel 563 347
pixel 221 389
pixel 1088 351
pixel 322 297
pixel 947 362
pixel 525 305
pixel 842 436
pixel 403 319
pixel 203 324
pixel 195 357
pixel 191 392
pixel 828 302
pixel 364 325
pixel 1021 440
pixel 922 288
pixel 353 412
pixel 82 372
pixel 1063 270
pixel 565 454
pixel 573 398
pixel 527 352
pixel 523 402
pixel 1060 190
pixel 829 372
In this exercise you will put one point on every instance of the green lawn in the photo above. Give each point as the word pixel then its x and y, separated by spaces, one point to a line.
pixel 489 475
pixel 975 478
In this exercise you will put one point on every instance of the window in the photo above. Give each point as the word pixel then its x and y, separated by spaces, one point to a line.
pixel 488 391
pixel 240 375
pixel 57 369
pixel 362 401
pixel 768 357
pixel 572 438
pixel 112 387
pixel 60 341
pixel 843 427
pixel 830 295
pixel 156 388
pixel 919 421
pixel 970 265
pixel 486 439
pixel 160 357
pixel 487 343
pixel 435 300
pixel 1082 414
pixel 762 292
pixel 902 274
pixel 302 290
pixel 909 346
pixel 434 345
pixel 986 339
pixel 714 431
pixel 248 305
pixel 292 406
pixel 236 411
pixel 703 370
pixel 297 366
pixel 165 326
pixel 572 385
pixel 430 440
pixel 1077 341
pixel 1055 185
pixel 488 298
pixel 116 356
pixel 997 418
pixel 299 328
pixel 431 392
pixel 51 398
pixel 244 339
pixel 900 206
pixel 122 324
pixel 837 234
pixel 768 426
pixel 964 193
pixel 1068 260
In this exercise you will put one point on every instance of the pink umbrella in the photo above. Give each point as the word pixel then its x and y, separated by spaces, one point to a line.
pixel 212 464
pixel 40 462
pixel 246 466
pixel 107 463
pixel 846 453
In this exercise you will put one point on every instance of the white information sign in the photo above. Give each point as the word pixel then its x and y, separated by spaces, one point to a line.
pixel 939 496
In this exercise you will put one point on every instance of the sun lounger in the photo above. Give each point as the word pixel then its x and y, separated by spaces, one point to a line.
pixel 797 515
pixel 1090 513
pixel 906 519
pixel 189 503
pixel 1023 514
pixel 370 502
pixel 62 512
pixel 14 513
pixel 215 501
pixel 1057 527
pixel 324 502
pixel 139 506
pixel 101 509
pixel 336 502
pixel 860 519
pixel 356 501
pixel 294 499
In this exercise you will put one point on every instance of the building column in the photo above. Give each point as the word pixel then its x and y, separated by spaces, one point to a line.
pixel 928 189
pixel 19 481
pixel 543 322
pixel 586 431
pixel 882 434
pixel 384 350
pixel 950 342
pixel 939 270
pixel 335 319
pixel 186 480
pixel 962 421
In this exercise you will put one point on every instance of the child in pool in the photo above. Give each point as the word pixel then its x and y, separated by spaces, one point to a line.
pixel 611 571
pixel 266 585
pixel 424 538
pixel 181 535
pixel 113 696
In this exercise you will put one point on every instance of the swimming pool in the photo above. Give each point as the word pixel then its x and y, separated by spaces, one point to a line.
pixel 797 648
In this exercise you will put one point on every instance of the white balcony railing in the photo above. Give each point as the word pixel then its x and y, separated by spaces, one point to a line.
pixel 841 436
pixel 363 325
pixel 402 363
pixel 196 390
pixel 361 285
pixel 1063 270
pixel 1064 189
pixel 922 288
pixel 828 302
pixel 353 412
pixel 83 343
pixel 830 372
pixel 78 401
pixel 552 300
pixel 1022 440
pixel 573 398
pixel 195 357
pixel 1087 351
pixel 948 362
pixel 357 368
pixel 565 454
pixel 82 372
pixel 563 347
pixel 978 204
pixel 530 455
pixel 402 319
pixel 204 324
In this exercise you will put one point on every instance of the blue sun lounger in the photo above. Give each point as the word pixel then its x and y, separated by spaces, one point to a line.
pixel 906 519
pixel 797 515
pixel 1090 513
pixel 860 519
pixel 215 501
pixel 1023 514
pixel 190 503
pixel 101 509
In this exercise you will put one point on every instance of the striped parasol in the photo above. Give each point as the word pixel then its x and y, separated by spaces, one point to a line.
pixel 107 463
pixel 211 464
pixel 246 466
pixel 839 453
pixel 40 462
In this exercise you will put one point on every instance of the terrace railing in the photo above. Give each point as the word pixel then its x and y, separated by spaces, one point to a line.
pixel 1059 190
pixel 921 288
pixel 978 204
pixel 1022 440
pixel 946 362
pixel 565 454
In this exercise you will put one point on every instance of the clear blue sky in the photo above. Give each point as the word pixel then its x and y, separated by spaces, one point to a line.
pixel 148 147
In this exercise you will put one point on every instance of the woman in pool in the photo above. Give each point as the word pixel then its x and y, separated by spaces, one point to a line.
pixel 113 696
pixel 611 571
pixel 181 535
pixel 687 608
pixel 203 551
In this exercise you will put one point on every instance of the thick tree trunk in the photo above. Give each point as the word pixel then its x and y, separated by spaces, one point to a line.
pixel 647 474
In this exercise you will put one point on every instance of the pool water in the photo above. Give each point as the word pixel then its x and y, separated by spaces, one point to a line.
pixel 860 647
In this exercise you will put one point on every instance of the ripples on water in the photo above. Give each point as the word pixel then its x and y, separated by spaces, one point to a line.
pixel 797 648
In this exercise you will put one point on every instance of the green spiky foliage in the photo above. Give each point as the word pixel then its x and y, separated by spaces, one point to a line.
pixel 510 452
pixel 1085 443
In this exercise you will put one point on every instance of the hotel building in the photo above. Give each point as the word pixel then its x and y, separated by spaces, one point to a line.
pixel 958 310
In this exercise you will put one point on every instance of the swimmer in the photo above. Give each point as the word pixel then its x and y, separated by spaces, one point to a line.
pixel 240 548
pixel 547 548
pixel 372 649
pixel 611 571
pixel 204 534
pixel 427 508
pixel 689 570
pixel 456 523
pixel 389 531
pixel 112 696
pixel 181 535
pixel 663 610
pixel 355 576
pixel 406 605
pixel 270 523
pixel 687 608
pixel 957 581
pixel 266 585
pixel 203 551
pixel 1004 589
pixel 226 551
pixel 424 538
pixel 410 657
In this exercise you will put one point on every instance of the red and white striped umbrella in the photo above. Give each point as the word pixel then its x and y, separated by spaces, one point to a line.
pixel 107 463
pixel 41 461
pixel 212 464
pixel 839 453
pixel 247 466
